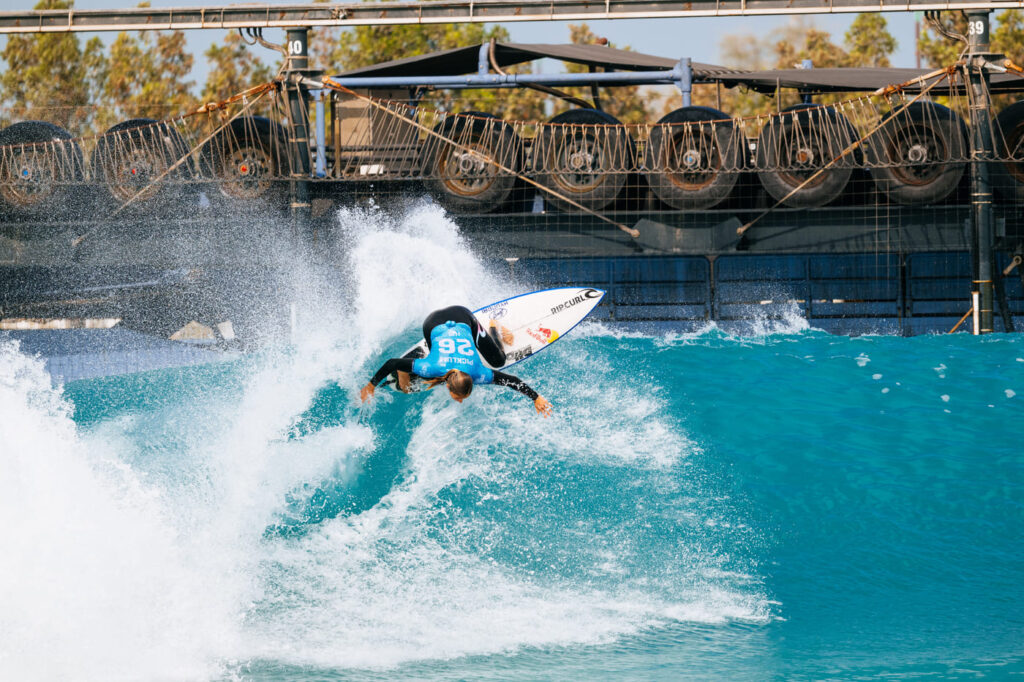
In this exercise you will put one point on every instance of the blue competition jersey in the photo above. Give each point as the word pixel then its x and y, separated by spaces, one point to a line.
pixel 452 347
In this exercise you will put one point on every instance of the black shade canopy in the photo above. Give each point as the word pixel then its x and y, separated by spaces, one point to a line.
pixel 463 60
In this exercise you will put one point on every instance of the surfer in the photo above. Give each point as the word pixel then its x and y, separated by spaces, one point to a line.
pixel 455 342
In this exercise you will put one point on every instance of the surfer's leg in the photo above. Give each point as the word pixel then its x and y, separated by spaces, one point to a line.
pixel 454 313
pixel 433 319
pixel 490 349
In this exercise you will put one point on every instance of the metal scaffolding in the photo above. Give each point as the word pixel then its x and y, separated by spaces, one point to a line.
pixel 446 11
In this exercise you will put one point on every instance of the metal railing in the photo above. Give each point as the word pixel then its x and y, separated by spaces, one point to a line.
pixel 446 12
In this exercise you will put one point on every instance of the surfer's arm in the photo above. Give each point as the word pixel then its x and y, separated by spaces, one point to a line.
pixel 391 366
pixel 539 402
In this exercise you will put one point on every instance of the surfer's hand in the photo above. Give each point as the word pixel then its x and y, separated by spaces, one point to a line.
pixel 367 392
pixel 543 406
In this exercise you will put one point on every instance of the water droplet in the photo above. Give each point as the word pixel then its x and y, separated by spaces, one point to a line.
pixel 945 398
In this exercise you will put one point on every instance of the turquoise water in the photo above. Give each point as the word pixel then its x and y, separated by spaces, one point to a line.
pixel 779 505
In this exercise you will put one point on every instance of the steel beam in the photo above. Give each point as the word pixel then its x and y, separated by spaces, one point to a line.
pixel 445 12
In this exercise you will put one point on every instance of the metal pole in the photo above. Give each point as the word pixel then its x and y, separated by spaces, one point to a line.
pixel 685 82
pixel 483 62
pixel 320 166
pixel 511 80
pixel 981 154
pixel 298 135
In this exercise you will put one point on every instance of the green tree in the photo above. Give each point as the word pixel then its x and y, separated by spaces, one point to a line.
pixel 869 42
pixel 146 76
pixel 50 77
pixel 817 46
pixel 866 43
pixel 234 67
pixel 1008 35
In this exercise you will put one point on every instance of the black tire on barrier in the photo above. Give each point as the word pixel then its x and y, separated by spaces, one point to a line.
pixel 586 155
pixel 1007 176
pixel 249 165
pixel 461 178
pixel 41 173
pixel 793 146
pixel 131 155
pixel 694 166
pixel 919 155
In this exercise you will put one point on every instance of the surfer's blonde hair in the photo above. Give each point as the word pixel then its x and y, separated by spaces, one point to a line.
pixel 457 381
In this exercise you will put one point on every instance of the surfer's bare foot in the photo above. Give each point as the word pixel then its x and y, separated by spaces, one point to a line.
pixel 506 336
pixel 404 381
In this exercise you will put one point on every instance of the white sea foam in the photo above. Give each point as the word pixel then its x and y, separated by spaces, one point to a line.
pixel 98 585
pixel 389 586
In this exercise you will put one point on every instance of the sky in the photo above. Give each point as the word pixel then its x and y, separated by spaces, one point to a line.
pixel 697 38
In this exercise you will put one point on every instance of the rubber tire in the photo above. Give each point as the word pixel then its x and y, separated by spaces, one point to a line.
pixel 615 160
pixel 720 149
pixel 830 184
pixel 162 143
pixel 895 140
pixel 64 199
pixel 459 193
pixel 1007 177
pixel 249 165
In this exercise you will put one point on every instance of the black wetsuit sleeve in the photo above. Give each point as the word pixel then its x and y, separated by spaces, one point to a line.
pixel 391 366
pixel 502 379
pixel 416 352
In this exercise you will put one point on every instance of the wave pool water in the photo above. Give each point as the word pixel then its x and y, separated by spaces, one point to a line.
pixel 782 505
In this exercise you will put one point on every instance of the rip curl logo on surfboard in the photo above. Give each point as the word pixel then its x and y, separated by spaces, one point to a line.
pixel 575 300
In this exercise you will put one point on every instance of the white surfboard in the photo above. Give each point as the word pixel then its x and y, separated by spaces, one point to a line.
pixel 536 319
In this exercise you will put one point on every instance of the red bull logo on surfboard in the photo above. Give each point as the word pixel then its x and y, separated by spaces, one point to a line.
pixel 543 334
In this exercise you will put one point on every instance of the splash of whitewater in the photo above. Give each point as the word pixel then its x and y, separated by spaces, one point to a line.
pixel 144 546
